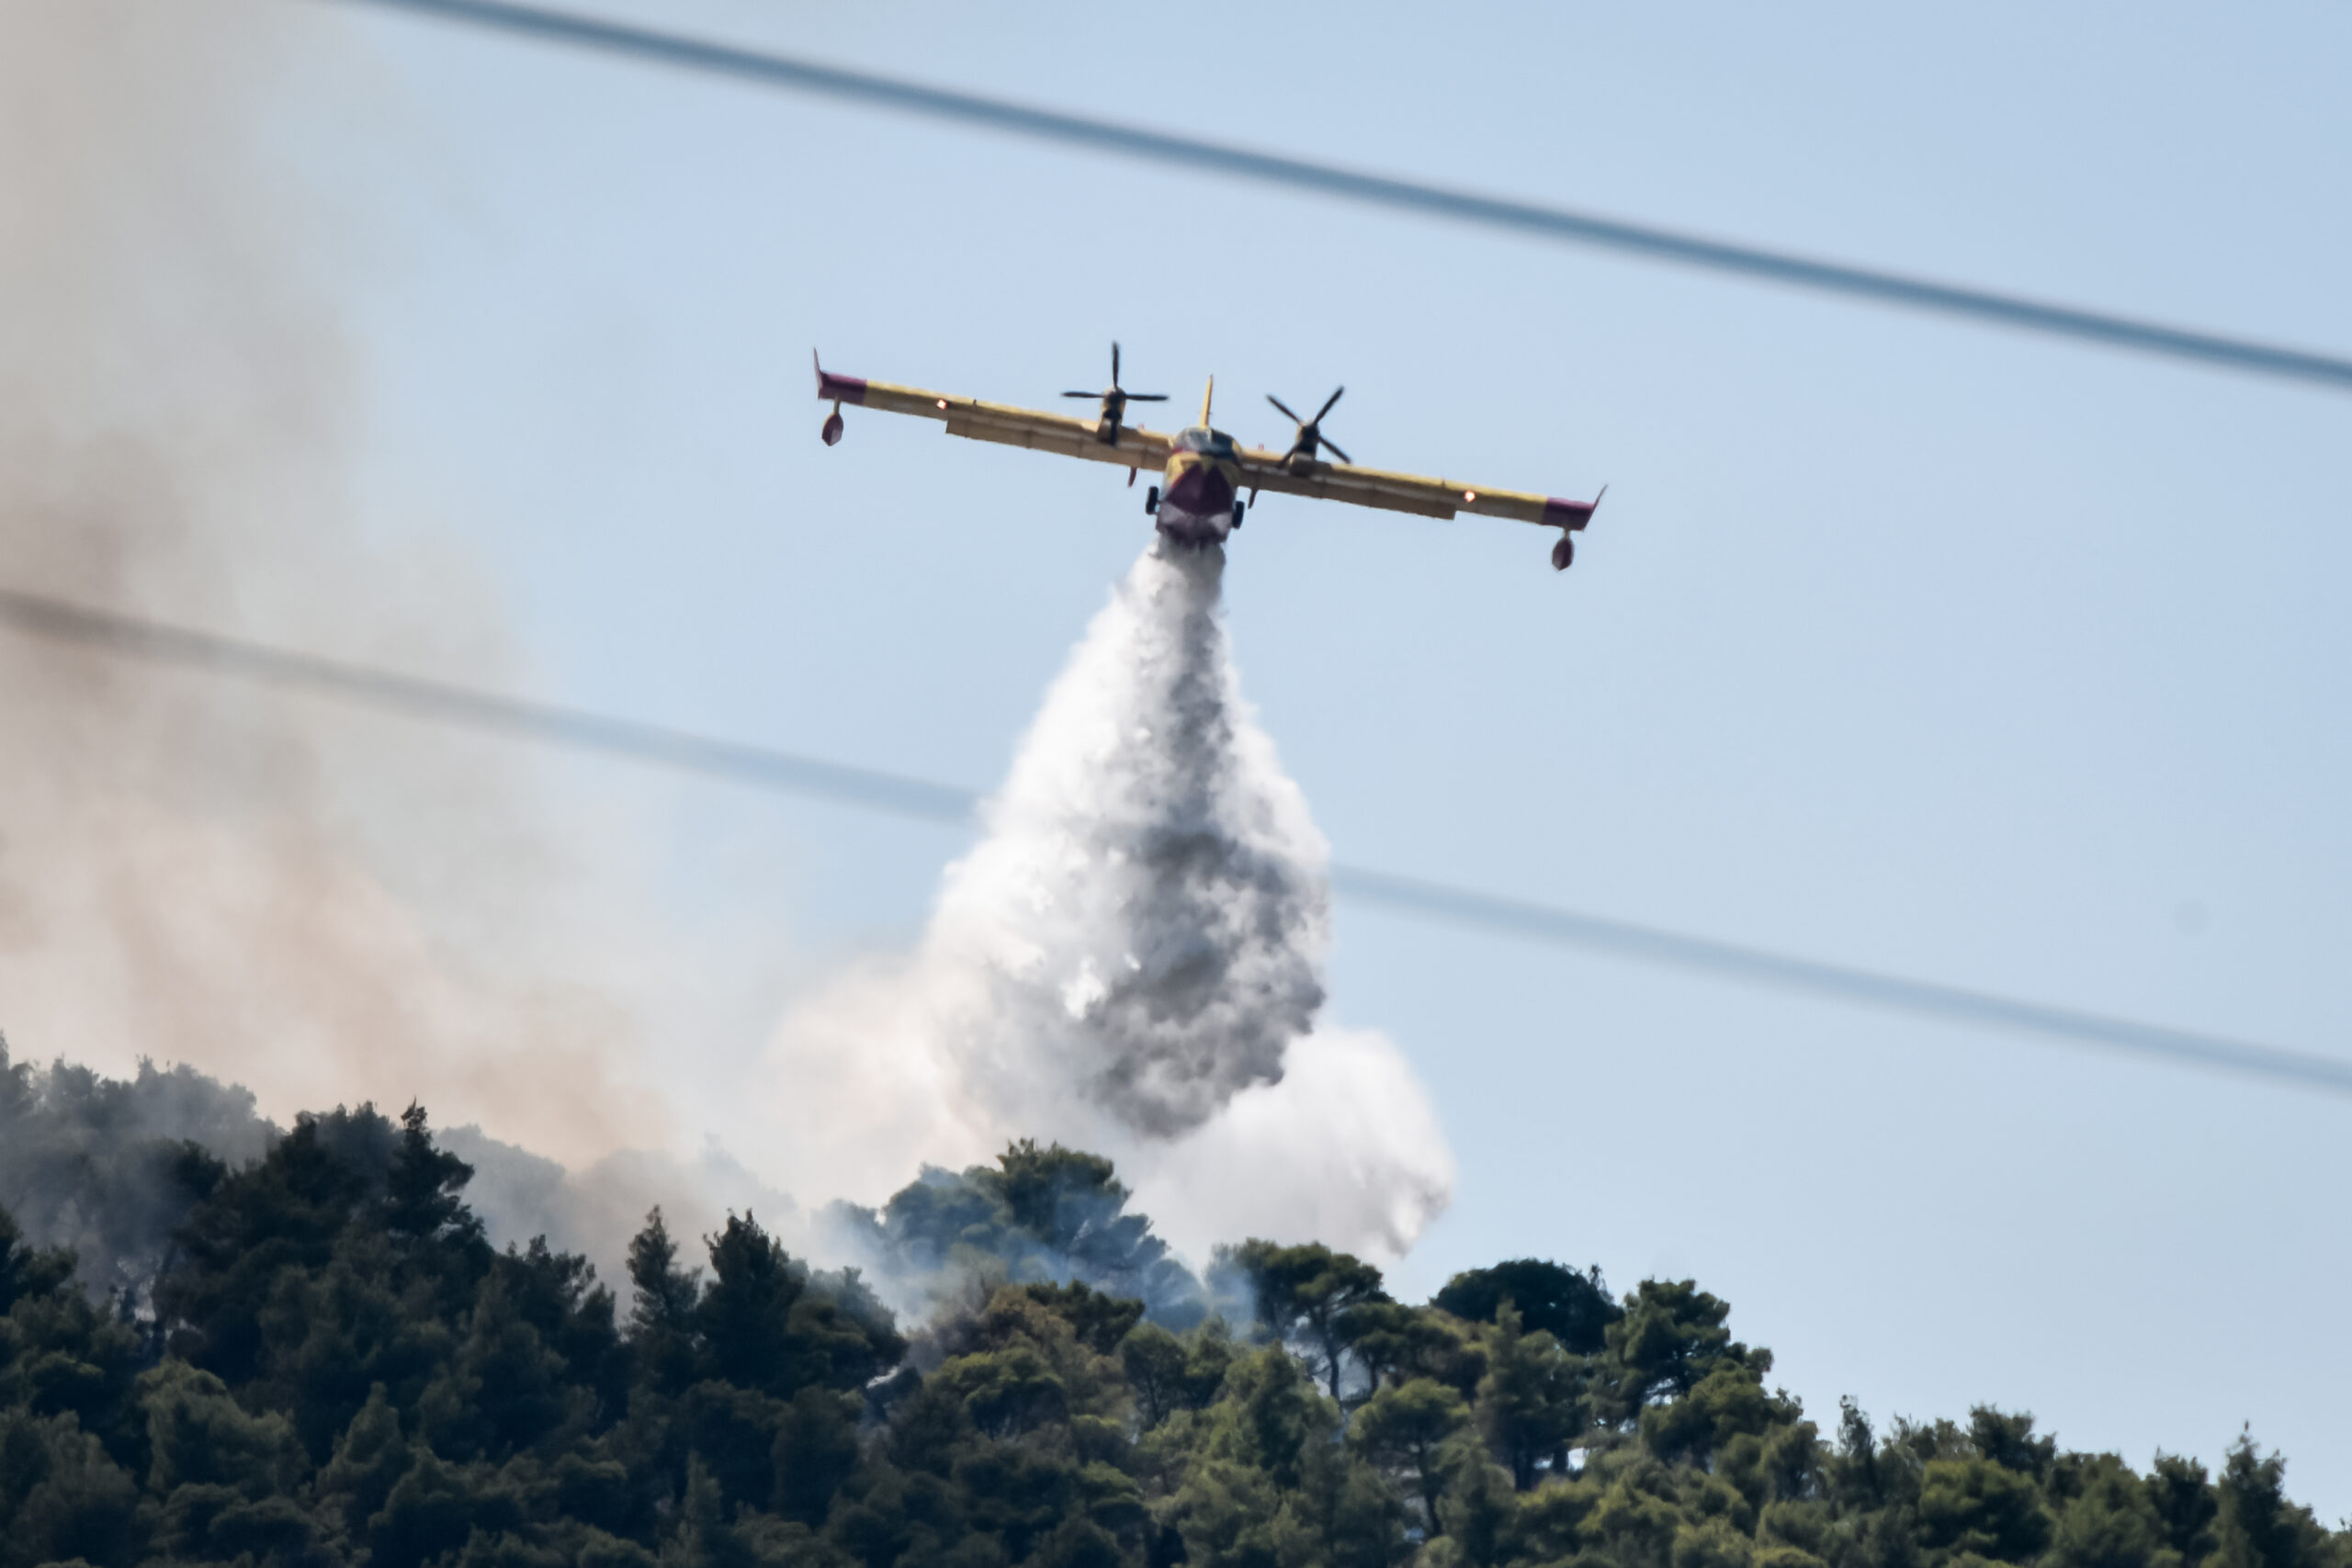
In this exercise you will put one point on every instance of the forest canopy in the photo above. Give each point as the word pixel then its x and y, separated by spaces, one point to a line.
pixel 325 1362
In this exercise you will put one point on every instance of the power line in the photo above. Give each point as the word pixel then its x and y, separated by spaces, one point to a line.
pixel 1730 961
pixel 1400 194
pixel 440 700
pixel 791 773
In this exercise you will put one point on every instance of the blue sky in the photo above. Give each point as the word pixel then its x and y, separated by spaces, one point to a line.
pixel 1936 648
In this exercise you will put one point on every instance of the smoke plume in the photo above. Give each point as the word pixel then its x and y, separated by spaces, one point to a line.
pixel 324 907
pixel 1131 961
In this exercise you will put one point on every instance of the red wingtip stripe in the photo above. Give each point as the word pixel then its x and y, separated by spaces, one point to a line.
pixel 1571 514
pixel 840 389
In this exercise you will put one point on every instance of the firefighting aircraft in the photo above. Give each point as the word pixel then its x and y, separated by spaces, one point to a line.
pixel 1203 473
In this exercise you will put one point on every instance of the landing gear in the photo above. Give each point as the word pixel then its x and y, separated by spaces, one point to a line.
pixel 1151 501
pixel 1238 510
pixel 1564 552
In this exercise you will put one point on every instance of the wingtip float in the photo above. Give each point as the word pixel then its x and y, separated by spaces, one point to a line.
pixel 1202 471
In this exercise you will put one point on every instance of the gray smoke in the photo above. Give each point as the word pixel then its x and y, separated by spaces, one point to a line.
pixel 325 906
pixel 595 1207
pixel 99 1164
pixel 91 1162
pixel 1131 961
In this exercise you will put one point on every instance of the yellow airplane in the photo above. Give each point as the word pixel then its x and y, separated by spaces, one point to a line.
pixel 1203 473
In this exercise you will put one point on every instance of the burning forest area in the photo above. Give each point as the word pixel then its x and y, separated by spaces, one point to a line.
pixel 315 1354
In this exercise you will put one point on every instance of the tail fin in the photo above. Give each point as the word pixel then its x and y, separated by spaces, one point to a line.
pixel 1206 398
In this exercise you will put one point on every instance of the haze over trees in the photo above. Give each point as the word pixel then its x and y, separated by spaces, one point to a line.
pixel 329 1364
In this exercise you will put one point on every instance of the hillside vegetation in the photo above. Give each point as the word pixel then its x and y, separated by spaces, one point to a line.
pixel 331 1365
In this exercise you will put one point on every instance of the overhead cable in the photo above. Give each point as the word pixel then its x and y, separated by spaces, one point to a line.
pixel 1560 224
pixel 791 773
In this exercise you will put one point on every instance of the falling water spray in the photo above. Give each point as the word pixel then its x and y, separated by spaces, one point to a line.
pixel 1131 960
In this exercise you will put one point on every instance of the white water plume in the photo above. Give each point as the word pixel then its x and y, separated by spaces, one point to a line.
pixel 1131 961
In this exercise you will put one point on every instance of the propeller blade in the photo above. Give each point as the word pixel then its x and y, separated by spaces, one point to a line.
pixel 1327 406
pixel 1147 397
pixel 1335 446
pixel 1081 394
pixel 1285 408
pixel 1115 362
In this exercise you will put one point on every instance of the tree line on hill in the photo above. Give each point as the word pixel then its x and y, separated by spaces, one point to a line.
pixel 332 1367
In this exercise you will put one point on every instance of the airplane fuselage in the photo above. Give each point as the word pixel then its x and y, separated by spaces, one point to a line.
pixel 1198 488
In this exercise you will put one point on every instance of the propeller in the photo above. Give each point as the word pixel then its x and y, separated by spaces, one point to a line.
pixel 1116 397
pixel 1310 440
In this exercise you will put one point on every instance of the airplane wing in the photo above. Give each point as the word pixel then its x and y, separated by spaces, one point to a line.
pixel 1261 470
pixel 1001 422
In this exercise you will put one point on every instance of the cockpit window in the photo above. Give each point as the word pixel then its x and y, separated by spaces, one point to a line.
pixel 1215 442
